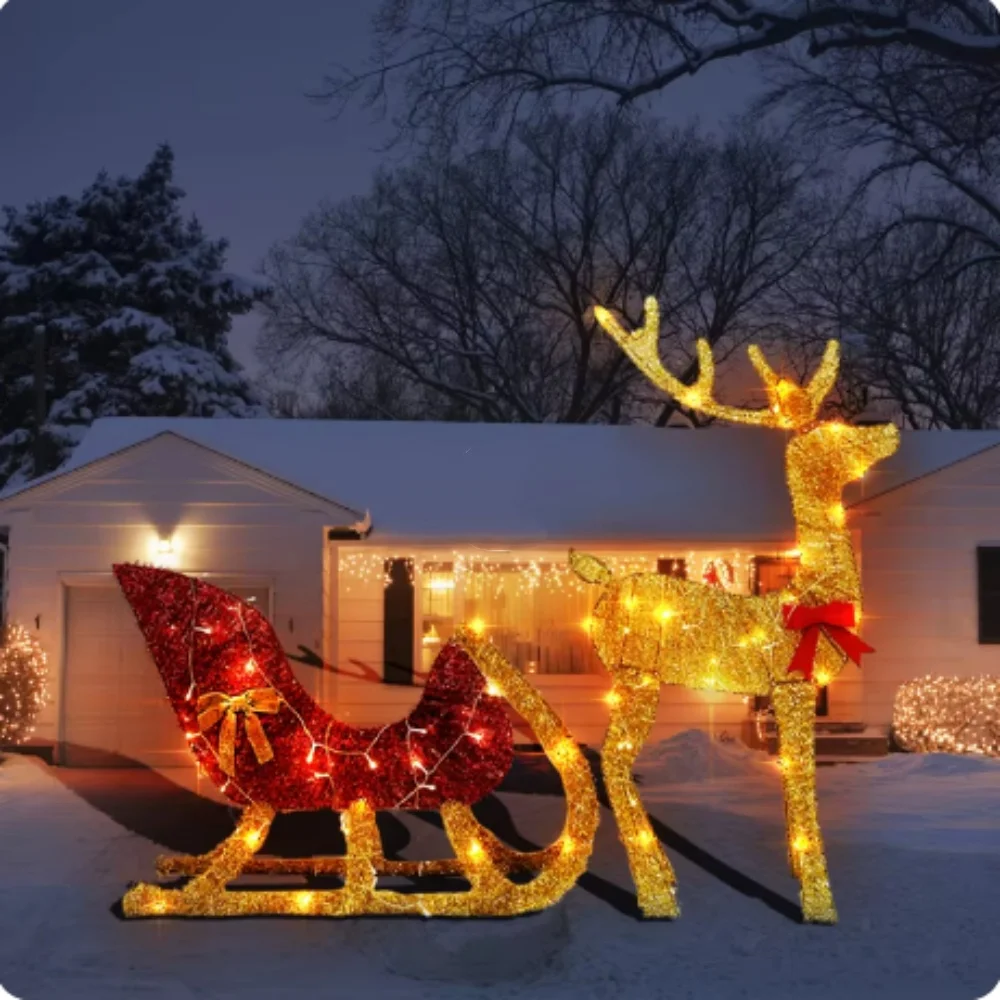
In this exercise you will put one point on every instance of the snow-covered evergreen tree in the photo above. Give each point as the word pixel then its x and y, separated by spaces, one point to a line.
pixel 135 308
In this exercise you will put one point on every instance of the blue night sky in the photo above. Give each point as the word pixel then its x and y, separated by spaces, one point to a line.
pixel 92 84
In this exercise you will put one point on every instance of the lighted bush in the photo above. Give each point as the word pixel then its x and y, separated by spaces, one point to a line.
pixel 23 689
pixel 949 715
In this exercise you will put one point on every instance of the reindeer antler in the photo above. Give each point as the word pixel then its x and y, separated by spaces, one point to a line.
pixel 791 405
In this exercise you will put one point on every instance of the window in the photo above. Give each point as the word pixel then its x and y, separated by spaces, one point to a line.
pixel 397 610
pixel 437 609
pixel 437 590
pixel 988 586
pixel 672 567
pixel 772 573
pixel 535 616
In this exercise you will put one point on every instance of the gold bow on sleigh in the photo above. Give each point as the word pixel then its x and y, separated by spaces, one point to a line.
pixel 216 705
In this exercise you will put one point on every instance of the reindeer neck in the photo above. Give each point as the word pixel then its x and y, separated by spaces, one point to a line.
pixel 827 568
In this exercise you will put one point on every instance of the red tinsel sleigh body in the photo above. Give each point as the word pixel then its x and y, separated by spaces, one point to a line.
pixel 269 747
pixel 227 677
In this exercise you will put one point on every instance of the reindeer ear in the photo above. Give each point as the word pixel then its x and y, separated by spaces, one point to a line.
pixel 589 568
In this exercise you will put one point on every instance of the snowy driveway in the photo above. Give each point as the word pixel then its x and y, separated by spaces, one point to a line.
pixel 913 844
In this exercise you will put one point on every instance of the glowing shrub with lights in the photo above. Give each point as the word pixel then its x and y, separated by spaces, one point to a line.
pixel 23 684
pixel 958 715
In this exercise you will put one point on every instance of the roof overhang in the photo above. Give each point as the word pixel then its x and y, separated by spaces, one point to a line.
pixel 498 545
pixel 356 532
pixel 61 480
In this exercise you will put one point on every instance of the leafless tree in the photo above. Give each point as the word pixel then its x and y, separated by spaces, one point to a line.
pixel 924 134
pixel 490 60
pixel 913 282
pixel 468 282
pixel 922 343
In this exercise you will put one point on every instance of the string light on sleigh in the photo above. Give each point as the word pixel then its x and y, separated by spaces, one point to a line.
pixel 267 745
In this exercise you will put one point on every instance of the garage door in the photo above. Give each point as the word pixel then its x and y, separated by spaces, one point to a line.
pixel 115 711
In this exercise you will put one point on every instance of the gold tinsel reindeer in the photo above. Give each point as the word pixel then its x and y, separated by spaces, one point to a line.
pixel 651 629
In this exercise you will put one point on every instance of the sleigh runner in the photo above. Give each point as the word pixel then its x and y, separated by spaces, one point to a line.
pixel 264 742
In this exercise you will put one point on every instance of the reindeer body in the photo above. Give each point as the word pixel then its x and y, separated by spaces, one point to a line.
pixel 651 629
pixel 655 625
pixel 707 638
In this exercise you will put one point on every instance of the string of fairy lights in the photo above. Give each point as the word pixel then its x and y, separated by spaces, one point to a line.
pixel 255 674
pixel 24 688
pixel 480 857
pixel 362 569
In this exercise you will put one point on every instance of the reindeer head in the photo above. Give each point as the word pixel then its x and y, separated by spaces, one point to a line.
pixel 823 456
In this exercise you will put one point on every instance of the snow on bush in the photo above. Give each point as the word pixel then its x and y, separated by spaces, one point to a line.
pixel 694 756
pixel 135 308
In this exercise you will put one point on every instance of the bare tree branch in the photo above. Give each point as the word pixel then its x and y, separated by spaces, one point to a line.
pixel 921 341
pixel 471 279
pixel 488 61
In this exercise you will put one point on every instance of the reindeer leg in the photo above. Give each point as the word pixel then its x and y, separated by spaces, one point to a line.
pixel 634 702
pixel 794 708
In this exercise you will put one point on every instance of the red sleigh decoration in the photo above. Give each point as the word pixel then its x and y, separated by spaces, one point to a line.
pixel 269 747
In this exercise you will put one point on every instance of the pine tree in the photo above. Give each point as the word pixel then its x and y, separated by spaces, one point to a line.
pixel 135 310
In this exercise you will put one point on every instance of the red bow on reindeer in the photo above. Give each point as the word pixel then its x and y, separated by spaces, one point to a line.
pixel 832 620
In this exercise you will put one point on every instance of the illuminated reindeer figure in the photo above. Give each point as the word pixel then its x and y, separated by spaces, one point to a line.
pixel 651 629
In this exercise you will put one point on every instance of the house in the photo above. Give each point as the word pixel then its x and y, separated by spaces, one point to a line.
pixel 366 543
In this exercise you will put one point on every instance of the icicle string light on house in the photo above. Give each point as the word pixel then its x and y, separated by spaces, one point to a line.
pixel 476 576
pixel 651 629
pixel 23 684
pixel 958 715
pixel 270 748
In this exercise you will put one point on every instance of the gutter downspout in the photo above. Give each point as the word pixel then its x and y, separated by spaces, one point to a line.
pixel 5 556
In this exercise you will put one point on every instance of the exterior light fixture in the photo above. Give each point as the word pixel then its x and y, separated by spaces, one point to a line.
pixel 164 551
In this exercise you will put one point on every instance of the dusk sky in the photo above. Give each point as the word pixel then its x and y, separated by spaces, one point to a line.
pixel 91 84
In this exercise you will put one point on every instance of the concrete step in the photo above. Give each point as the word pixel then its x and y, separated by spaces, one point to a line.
pixel 843 746
pixel 833 739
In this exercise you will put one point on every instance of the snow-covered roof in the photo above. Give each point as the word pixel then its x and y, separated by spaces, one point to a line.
pixel 426 481
pixel 920 454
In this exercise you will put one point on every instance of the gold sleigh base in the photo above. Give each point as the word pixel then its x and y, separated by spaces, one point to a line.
pixel 480 858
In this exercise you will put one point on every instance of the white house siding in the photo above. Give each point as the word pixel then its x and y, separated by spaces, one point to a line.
pixel 919 576
pixel 227 520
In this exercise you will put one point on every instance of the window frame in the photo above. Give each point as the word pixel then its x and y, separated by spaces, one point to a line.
pixel 983 636
pixel 758 561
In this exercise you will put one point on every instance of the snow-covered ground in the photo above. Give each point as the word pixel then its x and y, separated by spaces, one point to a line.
pixel 913 844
